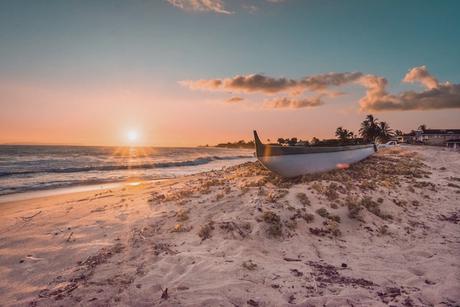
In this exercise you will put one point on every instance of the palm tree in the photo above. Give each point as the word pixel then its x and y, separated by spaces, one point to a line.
pixel 385 132
pixel 343 134
pixel 281 141
pixel 398 132
pixel 292 141
pixel 369 129
pixel 422 127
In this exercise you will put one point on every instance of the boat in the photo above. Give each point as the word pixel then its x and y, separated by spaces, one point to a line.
pixel 293 161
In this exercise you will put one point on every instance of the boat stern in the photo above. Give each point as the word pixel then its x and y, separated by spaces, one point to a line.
pixel 259 145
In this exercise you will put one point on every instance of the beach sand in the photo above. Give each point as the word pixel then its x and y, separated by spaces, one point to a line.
pixel 384 232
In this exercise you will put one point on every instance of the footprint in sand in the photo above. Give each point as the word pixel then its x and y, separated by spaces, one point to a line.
pixel 417 271
pixel 122 216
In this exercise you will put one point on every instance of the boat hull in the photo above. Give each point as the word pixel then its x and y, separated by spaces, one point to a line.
pixel 300 164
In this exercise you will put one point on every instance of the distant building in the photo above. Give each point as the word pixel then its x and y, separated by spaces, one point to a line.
pixel 436 136
pixel 407 138
pixel 301 143
pixel 453 144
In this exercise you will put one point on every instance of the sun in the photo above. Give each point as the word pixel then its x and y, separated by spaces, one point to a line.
pixel 133 136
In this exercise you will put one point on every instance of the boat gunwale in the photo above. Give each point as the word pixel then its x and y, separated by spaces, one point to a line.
pixel 263 150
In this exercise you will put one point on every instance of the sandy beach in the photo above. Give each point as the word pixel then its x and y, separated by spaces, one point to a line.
pixel 384 232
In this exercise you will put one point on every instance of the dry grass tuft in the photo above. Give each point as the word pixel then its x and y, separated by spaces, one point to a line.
pixel 182 215
pixel 301 214
pixel 206 230
pixel 374 208
pixel 303 199
pixel 354 208
pixel 331 192
pixel 324 213
pixel 241 230
pixel 318 187
pixel 180 228
pixel 273 196
pixel 249 265
pixel 274 223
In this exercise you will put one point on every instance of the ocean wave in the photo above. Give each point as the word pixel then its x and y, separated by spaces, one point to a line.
pixel 194 162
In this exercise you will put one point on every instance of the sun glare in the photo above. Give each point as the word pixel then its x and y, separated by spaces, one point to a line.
pixel 133 136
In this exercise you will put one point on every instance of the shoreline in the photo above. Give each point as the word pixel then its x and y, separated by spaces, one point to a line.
pixel 385 231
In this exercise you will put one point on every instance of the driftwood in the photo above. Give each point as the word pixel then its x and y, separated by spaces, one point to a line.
pixel 69 237
pixel 291 259
pixel 28 218
pixel 164 294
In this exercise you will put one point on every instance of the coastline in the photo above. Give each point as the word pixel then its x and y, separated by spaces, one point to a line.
pixel 270 238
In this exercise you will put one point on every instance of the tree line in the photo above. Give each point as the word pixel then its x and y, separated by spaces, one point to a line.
pixel 372 130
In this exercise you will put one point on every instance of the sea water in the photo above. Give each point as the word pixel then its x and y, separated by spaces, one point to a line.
pixel 31 168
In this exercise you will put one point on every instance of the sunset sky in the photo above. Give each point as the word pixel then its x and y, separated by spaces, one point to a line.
pixel 191 72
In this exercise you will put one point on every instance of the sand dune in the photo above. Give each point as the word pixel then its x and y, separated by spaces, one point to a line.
pixel 385 231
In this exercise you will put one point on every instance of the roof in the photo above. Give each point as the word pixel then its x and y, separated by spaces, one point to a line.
pixel 441 131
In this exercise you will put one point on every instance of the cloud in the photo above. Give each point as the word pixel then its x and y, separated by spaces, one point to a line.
pixel 216 6
pixel 435 96
pixel 252 9
pixel 269 85
pixel 294 103
pixel 422 75
pixel 234 100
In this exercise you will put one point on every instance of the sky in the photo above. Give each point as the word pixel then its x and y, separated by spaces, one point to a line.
pixel 195 72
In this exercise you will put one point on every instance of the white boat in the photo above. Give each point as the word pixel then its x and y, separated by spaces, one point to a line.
pixel 293 161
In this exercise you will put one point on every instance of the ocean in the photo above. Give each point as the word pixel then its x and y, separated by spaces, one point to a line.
pixel 32 168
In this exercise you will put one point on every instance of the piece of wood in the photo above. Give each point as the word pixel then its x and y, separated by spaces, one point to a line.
pixel 291 259
pixel 28 218
pixel 70 236
pixel 164 294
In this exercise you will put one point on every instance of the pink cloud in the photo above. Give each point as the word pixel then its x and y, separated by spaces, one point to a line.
pixel 271 85
pixel 294 103
pixel 234 100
